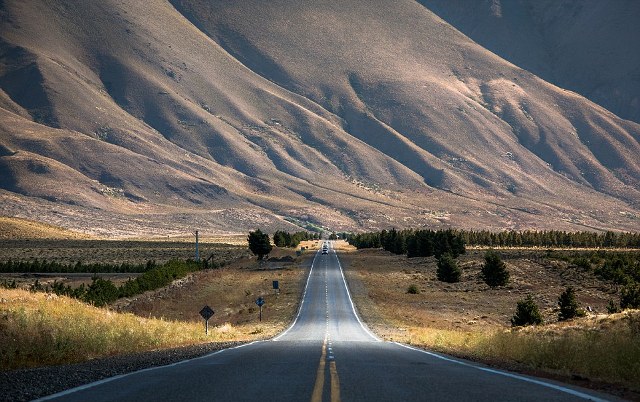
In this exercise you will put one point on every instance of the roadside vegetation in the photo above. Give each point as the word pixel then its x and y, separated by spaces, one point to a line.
pixel 50 322
pixel 44 329
pixel 544 311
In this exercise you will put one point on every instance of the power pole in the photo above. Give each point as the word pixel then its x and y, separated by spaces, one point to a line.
pixel 197 251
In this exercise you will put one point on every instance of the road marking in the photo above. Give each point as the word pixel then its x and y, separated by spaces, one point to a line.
pixel 506 374
pixel 117 377
pixel 304 294
pixel 317 389
pixel 335 382
pixel 353 308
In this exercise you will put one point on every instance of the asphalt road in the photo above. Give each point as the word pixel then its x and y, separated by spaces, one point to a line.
pixel 326 355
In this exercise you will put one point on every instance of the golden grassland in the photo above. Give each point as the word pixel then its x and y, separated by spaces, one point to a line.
pixel 44 329
pixel 470 320
pixel 39 329
pixel 19 228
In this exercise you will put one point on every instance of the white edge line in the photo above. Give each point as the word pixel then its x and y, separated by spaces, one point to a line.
pixel 304 294
pixel 119 376
pixel 353 308
pixel 507 374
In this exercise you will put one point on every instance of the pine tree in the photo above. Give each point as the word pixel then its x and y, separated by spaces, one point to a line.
pixel 448 270
pixel 494 271
pixel 259 243
pixel 527 313
pixel 569 305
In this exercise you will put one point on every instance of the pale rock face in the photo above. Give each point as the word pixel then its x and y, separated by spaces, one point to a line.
pixel 157 116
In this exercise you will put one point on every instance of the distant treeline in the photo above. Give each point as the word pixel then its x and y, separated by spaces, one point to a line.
pixel 44 266
pixel 103 291
pixel 551 238
pixel 286 239
pixel 414 243
pixel 409 240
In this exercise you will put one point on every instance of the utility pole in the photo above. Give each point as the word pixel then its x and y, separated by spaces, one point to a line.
pixel 197 251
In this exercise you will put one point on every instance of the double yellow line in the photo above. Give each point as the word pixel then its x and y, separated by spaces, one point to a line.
pixel 335 380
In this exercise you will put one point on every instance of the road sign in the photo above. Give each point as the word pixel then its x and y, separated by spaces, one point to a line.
pixel 260 303
pixel 207 312
pixel 276 285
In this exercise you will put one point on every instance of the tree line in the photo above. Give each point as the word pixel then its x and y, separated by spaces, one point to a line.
pixel 413 243
pixel 44 266
pixel 286 239
pixel 103 291
pixel 551 238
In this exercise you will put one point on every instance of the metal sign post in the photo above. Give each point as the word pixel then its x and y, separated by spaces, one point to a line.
pixel 260 303
pixel 206 313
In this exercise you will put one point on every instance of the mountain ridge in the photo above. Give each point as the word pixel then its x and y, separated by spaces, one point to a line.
pixel 334 115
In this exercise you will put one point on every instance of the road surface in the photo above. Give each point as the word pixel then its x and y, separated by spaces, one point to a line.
pixel 326 355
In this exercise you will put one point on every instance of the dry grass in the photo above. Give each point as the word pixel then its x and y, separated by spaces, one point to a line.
pixel 43 329
pixel 468 319
pixel 18 228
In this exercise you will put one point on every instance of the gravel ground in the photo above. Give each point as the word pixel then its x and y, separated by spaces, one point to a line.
pixel 29 384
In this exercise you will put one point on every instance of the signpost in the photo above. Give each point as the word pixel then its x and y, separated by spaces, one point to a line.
pixel 206 313
pixel 260 303
pixel 276 287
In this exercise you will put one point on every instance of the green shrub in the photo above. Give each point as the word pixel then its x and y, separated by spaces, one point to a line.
pixel 413 289
pixel 569 305
pixel 448 270
pixel 630 297
pixel 494 271
pixel 527 313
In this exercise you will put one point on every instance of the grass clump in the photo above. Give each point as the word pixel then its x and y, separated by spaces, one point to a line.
pixel 413 289
pixel 45 329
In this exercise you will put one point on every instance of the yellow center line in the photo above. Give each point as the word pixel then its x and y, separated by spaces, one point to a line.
pixel 317 389
pixel 335 382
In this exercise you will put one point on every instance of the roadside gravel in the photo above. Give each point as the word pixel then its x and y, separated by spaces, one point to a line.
pixel 29 384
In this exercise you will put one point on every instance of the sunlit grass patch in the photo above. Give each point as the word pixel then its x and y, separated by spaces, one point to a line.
pixel 44 329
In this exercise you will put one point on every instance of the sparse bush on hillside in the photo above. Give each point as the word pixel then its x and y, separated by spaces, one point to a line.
pixel 448 270
pixel 612 307
pixel 527 313
pixel 494 271
pixel 569 305
pixel 413 289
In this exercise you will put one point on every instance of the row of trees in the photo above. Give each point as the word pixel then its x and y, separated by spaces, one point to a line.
pixel 551 238
pixel 414 243
pixel 286 239
pixel 44 266
pixel 103 291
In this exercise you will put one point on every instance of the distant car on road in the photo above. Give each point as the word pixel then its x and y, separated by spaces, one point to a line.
pixel 324 251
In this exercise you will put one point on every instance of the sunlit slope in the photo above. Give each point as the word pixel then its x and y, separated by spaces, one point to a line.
pixel 353 114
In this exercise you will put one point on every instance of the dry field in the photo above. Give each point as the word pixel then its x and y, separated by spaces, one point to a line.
pixel 471 320
pixel 44 329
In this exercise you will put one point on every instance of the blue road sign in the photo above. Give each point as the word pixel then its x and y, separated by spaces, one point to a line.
pixel 276 285
pixel 260 301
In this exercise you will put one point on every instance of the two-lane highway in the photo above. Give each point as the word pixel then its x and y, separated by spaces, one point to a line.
pixel 326 355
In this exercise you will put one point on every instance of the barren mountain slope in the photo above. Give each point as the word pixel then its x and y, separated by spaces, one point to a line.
pixel 229 116
pixel 588 46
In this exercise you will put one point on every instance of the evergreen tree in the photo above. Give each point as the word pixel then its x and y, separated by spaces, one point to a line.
pixel 494 271
pixel 527 313
pixel 448 270
pixel 630 297
pixel 259 243
pixel 569 305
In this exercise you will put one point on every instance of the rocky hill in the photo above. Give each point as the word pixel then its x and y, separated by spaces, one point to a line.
pixel 121 117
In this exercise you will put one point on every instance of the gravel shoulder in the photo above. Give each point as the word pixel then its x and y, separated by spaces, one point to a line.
pixel 29 384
